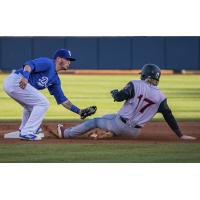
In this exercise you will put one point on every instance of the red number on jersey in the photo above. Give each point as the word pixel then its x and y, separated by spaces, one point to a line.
pixel 148 103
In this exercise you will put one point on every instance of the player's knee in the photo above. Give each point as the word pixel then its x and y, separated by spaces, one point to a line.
pixel 95 122
pixel 7 88
pixel 45 104
pixel 90 124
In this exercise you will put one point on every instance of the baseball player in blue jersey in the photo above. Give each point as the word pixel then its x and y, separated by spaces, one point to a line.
pixel 142 100
pixel 24 84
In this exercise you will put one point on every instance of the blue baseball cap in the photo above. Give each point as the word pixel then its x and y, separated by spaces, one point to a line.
pixel 63 53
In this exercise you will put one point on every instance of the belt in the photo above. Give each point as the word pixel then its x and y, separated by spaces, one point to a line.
pixel 124 121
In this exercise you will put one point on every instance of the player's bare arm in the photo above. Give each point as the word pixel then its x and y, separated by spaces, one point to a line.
pixel 67 104
pixel 26 73
pixel 82 112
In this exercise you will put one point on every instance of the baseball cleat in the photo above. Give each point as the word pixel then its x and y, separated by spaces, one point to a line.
pixel 16 134
pixel 30 136
pixel 60 131
pixel 40 133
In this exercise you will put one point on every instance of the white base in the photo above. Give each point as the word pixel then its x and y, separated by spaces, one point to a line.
pixel 15 135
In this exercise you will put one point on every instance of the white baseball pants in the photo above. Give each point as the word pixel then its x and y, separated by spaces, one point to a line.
pixel 35 104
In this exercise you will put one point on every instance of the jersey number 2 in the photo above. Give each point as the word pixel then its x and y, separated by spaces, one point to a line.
pixel 148 103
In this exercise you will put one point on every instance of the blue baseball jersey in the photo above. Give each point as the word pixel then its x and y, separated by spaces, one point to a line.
pixel 44 75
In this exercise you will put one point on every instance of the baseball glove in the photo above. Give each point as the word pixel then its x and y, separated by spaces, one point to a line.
pixel 97 134
pixel 88 111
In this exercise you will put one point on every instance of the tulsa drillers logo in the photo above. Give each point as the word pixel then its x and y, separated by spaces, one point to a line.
pixel 43 81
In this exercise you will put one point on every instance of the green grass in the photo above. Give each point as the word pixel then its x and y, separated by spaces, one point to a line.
pixel 101 153
pixel 183 92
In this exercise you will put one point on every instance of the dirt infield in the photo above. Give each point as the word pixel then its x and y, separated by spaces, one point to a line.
pixel 154 132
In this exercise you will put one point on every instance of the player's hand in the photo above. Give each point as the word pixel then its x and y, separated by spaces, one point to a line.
pixel 114 94
pixel 187 137
pixel 23 83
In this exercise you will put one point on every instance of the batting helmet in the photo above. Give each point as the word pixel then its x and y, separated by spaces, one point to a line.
pixel 150 71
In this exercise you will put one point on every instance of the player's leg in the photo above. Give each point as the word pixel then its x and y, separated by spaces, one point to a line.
pixel 25 116
pixel 33 119
pixel 10 85
pixel 111 122
pixel 29 97
pixel 106 122
pixel 39 105
pixel 79 129
pixel 114 124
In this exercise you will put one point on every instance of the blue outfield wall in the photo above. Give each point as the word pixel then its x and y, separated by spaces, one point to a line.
pixel 105 52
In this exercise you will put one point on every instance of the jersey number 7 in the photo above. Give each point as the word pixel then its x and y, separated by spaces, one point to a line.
pixel 145 101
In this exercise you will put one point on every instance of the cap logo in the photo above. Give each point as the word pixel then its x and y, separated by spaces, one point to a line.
pixel 69 53
pixel 157 75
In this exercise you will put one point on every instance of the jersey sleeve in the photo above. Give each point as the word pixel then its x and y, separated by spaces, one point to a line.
pixel 39 64
pixel 126 93
pixel 169 118
pixel 57 92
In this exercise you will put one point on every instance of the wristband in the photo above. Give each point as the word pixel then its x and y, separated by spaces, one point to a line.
pixel 26 74
pixel 75 109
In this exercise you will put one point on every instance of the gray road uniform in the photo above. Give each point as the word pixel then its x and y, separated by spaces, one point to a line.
pixel 142 102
